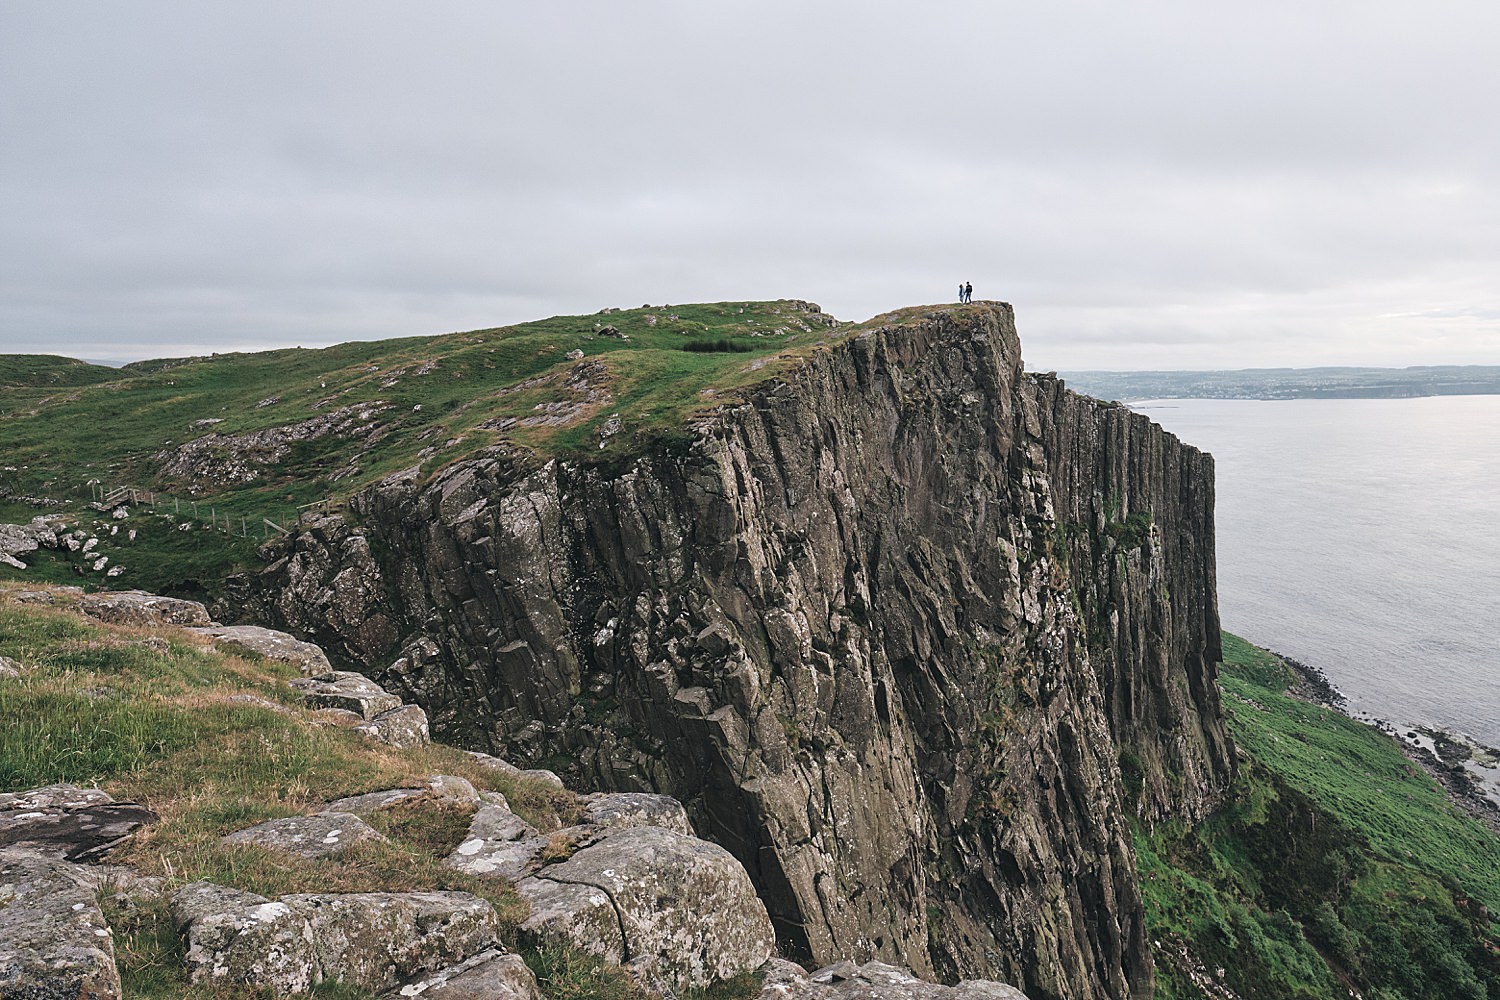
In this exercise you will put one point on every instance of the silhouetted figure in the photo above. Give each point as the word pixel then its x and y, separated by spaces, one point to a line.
pixel 968 292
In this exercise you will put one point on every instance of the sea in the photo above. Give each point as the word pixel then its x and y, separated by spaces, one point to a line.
pixel 1362 537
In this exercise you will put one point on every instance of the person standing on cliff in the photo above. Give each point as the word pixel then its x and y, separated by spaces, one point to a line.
pixel 960 291
pixel 968 292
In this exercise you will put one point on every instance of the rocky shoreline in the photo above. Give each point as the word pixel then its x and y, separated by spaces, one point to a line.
pixel 1468 771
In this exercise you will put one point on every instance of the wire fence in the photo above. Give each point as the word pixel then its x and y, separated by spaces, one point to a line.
pixel 107 499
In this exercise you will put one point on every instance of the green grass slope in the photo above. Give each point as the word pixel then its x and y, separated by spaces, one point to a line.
pixel 1336 864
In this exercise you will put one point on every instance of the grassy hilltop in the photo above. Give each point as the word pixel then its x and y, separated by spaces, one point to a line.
pixel 279 429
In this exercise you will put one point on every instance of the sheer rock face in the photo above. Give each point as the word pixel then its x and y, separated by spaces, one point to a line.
pixel 909 632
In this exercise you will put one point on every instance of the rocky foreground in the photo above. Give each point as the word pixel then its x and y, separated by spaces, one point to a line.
pixel 626 881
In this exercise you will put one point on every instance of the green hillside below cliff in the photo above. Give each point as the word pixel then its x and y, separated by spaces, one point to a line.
pixel 1336 865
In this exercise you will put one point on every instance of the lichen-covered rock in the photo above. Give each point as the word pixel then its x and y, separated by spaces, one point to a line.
pixel 39 596
pixel 487 976
pixel 136 607
pixel 619 810
pixel 347 690
pixel 684 910
pixel 782 980
pixel 323 835
pixel 10 667
pixel 375 941
pixel 402 727
pixel 273 645
pixel 54 942
pixel 65 821
pixel 498 843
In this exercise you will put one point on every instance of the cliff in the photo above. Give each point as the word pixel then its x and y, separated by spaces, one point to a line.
pixel 909 631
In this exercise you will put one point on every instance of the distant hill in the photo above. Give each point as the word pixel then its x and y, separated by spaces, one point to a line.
pixel 1290 383
pixel 50 371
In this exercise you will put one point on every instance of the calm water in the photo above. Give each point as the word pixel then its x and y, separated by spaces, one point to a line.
pixel 1362 536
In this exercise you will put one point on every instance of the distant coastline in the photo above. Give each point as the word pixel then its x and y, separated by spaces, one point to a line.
pixel 1290 383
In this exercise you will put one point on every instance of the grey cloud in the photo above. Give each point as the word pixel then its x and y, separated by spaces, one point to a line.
pixel 1160 185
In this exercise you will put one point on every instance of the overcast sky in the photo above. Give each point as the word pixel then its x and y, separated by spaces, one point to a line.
pixel 1151 184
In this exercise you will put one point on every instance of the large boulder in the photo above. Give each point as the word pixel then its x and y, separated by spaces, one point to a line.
pixel 325 835
pixel 505 767
pixel 54 943
pixel 679 911
pixel 136 607
pixel 370 940
pixel 23 539
pixel 308 658
pixel 402 727
pixel 65 821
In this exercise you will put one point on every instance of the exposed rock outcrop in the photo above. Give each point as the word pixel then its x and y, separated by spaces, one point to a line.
pixel 271 644
pixel 136 607
pixel 908 631
pixel 214 460
pixel 871 981
pixel 68 822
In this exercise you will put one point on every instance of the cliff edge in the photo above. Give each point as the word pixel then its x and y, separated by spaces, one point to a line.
pixel 909 631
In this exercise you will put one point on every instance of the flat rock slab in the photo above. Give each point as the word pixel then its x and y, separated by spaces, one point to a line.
pixel 447 789
pixel 621 810
pixel 346 690
pixel 488 976
pixel 871 981
pixel 507 768
pixel 54 943
pixel 370 940
pixel 685 910
pixel 273 645
pixel 65 821
pixel 136 607
pixel 32 597
pixel 403 728
pixel 325 835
